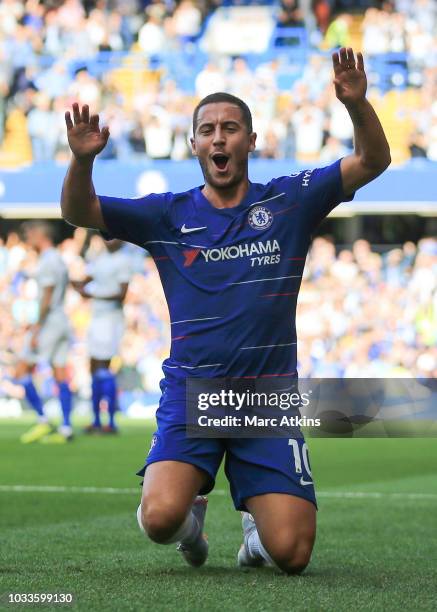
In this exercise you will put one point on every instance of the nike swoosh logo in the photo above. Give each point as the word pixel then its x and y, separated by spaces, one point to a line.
pixel 305 482
pixel 188 230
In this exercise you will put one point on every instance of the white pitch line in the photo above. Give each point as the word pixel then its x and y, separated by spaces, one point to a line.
pixel 375 495
pixel 137 490
pixel 61 489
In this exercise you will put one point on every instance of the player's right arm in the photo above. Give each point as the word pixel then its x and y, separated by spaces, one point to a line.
pixel 79 203
pixel 136 220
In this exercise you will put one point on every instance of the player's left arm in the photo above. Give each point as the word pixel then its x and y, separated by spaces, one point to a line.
pixel 123 291
pixel 371 154
pixel 45 302
pixel 119 296
pixel 79 286
pixel 124 276
pixel 89 290
pixel 44 307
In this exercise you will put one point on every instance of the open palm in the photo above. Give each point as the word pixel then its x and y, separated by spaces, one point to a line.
pixel 350 79
pixel 85 137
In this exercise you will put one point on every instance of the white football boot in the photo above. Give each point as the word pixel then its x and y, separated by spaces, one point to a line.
pixel 244 558
pixel 196 553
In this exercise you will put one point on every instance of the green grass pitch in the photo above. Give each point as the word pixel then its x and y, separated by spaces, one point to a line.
pixel 376 547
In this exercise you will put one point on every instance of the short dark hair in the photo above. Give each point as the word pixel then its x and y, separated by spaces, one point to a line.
pixel 221 96
pixel 45 227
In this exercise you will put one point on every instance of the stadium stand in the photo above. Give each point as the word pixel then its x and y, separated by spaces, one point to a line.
pixel 131 55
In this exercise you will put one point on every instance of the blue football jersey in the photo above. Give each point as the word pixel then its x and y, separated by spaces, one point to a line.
pixel 231 276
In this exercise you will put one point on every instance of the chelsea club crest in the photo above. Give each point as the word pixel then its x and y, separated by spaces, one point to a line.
pixel 260 218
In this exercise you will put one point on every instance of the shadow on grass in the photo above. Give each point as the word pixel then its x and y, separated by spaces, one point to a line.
pixel 356 578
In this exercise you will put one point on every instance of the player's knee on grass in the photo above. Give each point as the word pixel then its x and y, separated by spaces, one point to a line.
pixel 291 554
pixel 160 520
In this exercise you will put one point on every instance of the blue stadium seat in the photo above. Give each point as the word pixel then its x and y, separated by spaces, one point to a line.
pixel 389 71
pixel 292 40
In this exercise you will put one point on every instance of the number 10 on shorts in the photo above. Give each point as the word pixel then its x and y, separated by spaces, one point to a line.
pixel 300 456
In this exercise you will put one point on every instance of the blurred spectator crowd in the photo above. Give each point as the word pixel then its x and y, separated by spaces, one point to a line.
pixel 142 66
pixel 360 314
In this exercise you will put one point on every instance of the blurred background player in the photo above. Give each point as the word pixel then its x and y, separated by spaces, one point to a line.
pixel 108 275
pixel 48 339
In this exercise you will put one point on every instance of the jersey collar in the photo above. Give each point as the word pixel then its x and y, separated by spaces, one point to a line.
pixel 205 205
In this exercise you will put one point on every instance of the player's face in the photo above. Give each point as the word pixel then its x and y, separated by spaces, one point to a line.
pixel 33 238
pixel 222 144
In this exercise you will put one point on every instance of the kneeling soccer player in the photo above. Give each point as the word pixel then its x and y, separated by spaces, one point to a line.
pixel 230 254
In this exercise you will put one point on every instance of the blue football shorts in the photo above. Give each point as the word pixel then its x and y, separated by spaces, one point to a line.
pixel 253 466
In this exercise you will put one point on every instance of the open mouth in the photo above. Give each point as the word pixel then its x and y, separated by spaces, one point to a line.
pixel 220 160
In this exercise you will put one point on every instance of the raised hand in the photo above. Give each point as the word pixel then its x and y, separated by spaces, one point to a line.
pixel 350 79
pixel 85 137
